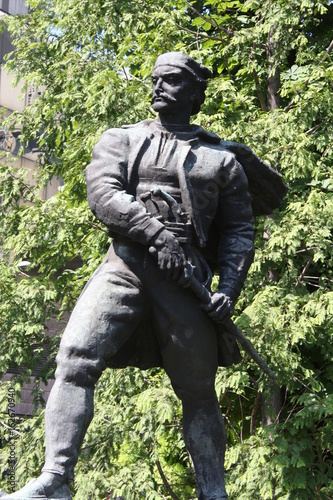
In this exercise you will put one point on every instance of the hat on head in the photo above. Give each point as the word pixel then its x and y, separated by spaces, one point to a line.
pixel 183 61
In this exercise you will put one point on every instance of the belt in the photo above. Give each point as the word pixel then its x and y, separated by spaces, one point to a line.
pixel 183 232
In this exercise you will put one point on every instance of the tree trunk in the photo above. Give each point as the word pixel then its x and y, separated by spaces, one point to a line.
pixel 271 401
pixel 273 89
pixel 273 80
pixel 271 405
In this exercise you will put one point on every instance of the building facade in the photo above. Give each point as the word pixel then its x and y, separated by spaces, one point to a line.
pixel 16 99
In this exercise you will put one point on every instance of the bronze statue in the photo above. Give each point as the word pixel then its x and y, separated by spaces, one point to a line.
pixel 178 206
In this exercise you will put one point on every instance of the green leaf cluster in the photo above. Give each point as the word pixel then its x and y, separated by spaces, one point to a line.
pixel 272 90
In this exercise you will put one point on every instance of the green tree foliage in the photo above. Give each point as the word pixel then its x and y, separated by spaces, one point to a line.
pixel 273 91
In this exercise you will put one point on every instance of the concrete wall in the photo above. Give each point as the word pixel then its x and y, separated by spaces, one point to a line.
pixel 25 407
pixel 11 97
pixel 13 7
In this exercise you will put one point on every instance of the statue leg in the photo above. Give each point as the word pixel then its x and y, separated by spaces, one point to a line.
pixel 188 344
pixel 103 319
pixel 69 411
pixel 204 436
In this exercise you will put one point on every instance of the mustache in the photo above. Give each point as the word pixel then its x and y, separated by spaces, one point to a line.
pixel 163 96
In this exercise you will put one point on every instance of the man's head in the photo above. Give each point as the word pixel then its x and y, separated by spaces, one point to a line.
pixel 179 84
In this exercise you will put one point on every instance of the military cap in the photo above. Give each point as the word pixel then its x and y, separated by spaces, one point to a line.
pixel 183 61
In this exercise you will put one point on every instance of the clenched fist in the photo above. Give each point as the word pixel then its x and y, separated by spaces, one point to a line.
pixel 170 255
pixel 220 307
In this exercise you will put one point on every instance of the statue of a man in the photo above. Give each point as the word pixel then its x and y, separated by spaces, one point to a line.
pixel 170 194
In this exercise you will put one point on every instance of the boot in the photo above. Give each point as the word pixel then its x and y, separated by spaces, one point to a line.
pixel 47 486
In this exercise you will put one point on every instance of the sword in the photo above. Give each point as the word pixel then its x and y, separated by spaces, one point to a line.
pixel 228 325
pixel 204 294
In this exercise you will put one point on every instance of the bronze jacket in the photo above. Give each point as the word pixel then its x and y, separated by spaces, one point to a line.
pixel 214 191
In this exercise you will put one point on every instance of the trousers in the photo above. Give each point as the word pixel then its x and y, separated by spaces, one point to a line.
pixel 127 290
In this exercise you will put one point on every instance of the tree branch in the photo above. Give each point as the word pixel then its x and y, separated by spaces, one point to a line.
pixel 96 226
pixel 329 50
pixel 306 267
pixel 255 412
pixel 242 414
pixel 11 429
pixel 233 428
pixel 315 128
pixel 259 92
pixel 165 481
pixel 203 35
pixel 211 21
pixel 330 47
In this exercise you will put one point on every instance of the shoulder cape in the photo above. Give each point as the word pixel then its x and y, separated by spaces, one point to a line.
pixel 266 185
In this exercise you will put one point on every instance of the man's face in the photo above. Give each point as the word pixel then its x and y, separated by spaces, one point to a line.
pixel 173 90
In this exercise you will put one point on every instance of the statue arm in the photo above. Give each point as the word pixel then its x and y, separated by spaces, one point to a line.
pixel 107 190
pixel 235 219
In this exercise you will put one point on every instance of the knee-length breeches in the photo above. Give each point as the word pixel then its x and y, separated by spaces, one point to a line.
pixel 129 290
